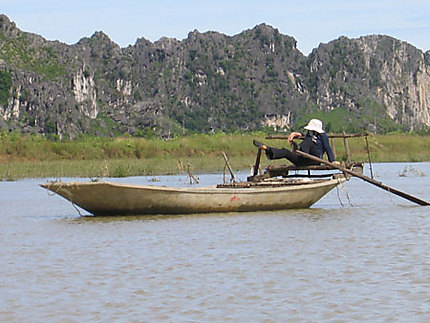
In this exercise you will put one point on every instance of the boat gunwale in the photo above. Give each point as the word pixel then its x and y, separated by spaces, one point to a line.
pixel 200 190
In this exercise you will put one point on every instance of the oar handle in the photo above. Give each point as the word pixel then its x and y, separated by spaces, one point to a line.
pixel 365 178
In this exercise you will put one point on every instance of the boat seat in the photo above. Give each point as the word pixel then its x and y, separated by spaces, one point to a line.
pixel 294 167
pixel 283 170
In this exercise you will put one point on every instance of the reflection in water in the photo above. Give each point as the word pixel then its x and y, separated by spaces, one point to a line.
pixel 369 262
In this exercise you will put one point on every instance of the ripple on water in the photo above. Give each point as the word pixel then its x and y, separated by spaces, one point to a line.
pixel 369 262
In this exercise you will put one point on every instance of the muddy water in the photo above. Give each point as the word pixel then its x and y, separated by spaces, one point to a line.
pixel 362 258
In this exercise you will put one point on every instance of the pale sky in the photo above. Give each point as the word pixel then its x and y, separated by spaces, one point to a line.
pixel 309 22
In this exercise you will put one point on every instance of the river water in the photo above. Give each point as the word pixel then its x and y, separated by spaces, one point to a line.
pixel 359 254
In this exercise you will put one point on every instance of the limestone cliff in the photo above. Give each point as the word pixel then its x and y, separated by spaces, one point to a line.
pixel 371 75
pixel 209 82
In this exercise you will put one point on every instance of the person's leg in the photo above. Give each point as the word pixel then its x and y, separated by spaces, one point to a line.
pixel 276 153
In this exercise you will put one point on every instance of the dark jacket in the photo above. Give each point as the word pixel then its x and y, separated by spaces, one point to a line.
pixel 317 144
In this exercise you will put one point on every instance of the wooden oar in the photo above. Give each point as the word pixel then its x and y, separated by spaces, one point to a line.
pixel 365 178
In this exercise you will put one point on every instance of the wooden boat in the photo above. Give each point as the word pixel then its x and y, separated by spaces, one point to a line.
pixel 260 193
pixel 106 198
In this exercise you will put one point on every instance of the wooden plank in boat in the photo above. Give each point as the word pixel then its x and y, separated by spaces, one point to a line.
pixel 270 183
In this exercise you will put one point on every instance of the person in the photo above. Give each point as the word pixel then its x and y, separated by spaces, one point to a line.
pixel 315 143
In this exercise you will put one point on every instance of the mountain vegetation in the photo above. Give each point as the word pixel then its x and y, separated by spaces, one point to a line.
pixel 209 82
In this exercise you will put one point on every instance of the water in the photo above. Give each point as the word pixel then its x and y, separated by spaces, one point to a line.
pixel 368 260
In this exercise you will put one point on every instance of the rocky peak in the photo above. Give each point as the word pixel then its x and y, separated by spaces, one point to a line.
pixel 143 43
pixel 100 40
pixel 101 36
pixel 210 81
pixel 264 28
pixel 168 44
pixel 7 27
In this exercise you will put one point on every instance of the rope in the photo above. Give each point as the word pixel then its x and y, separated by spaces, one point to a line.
pixel 77 210
pixel 346 193
pixel 338 196
pixel 49 190
pixel 55 192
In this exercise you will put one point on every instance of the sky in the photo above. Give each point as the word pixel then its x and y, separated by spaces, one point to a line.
pixel 310 22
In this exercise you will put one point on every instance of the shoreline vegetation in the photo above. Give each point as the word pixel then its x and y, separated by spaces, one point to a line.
pixel 34 156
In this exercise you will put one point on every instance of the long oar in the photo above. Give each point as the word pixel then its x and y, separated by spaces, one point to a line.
pixel 365 178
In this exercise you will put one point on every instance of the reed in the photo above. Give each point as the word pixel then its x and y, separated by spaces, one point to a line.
pixel 29 156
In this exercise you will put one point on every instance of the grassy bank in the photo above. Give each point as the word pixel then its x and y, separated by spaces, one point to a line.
pixel 35 156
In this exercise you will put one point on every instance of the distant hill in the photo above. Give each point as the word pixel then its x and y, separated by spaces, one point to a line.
pixel 209 82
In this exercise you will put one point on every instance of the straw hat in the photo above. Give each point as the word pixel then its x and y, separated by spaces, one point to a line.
pixel 315 125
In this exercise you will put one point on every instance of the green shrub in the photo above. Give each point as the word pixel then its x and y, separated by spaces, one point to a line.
pixel 5 85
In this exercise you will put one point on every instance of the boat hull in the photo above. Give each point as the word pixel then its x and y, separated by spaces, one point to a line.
pixel 105 198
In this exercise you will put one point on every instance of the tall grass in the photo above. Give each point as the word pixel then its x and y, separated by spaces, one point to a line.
pixel 389 148
pixel 24 156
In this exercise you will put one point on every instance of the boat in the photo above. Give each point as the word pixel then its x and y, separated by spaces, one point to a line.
pixel 275 189
pixel 108 199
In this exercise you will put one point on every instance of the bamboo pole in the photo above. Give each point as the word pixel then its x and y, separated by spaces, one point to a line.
pixel 230 169
pixel 190 174
pixel 347 151
pixel 365 178
pixel 330 135
pixel 257 162
pixel 368 157
pixel 333 147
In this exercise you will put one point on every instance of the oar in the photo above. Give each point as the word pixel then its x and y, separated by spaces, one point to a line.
pixel 365 178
